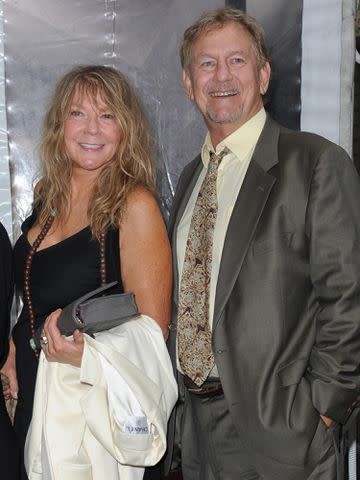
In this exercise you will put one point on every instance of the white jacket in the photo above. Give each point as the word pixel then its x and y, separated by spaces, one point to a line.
pixel 107 419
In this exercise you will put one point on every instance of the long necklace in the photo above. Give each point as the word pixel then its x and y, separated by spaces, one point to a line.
pixel 27 270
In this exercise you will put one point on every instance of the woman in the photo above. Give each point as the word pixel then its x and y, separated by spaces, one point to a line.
pixel 95 220
pixel 9 457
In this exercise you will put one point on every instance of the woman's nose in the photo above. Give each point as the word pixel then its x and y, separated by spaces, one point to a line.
pixel 92 124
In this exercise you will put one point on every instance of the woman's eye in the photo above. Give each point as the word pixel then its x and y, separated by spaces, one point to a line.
pixel 107 116
pixel 75 113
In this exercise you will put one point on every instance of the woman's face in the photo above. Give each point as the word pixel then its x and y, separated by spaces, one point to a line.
pixel 91 132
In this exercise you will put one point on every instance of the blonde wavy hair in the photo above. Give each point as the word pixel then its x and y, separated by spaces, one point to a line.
pixel 131 166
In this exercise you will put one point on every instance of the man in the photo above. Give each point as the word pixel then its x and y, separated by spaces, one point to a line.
pixel 266 237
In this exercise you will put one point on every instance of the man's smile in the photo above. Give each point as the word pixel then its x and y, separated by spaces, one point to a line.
pixel 227 93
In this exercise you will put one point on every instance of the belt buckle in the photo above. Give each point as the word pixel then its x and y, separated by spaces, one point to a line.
pixel 210 391
pixel 205 390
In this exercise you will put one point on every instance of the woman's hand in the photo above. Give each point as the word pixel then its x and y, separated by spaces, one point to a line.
pixel 58 348
pixel 10 386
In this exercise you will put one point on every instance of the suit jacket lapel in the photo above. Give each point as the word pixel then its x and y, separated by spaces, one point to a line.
pixel 247 210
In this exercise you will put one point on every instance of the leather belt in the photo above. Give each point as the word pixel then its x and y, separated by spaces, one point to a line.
pixel 210 388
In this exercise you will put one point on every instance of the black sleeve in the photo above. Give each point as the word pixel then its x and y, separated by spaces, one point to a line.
pixel 6 292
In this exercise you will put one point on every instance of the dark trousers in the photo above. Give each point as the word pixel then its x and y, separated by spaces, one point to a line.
pixel 213 450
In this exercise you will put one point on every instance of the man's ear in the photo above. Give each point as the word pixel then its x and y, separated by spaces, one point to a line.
pixel 264 78
pixel 188 84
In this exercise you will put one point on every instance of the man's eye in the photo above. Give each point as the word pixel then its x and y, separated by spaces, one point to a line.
pixel 207 64
pixel 237 60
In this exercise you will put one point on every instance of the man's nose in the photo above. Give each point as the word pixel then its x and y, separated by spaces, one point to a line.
pixel 223 71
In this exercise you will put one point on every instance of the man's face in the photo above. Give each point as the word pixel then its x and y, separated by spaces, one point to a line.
pixel 224 79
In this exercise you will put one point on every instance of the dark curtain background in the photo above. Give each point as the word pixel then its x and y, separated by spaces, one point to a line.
pixel 282 22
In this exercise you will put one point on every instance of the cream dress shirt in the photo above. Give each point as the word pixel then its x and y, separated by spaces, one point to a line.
pixel 231 174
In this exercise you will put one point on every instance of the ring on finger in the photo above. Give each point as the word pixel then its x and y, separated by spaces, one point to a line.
pixel 44 340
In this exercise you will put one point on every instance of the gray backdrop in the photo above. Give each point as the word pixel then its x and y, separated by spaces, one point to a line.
pixel 138 37
pixel 141 38
pixel 44 38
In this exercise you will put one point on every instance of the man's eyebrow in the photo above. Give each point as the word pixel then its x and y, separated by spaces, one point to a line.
pixel 229 53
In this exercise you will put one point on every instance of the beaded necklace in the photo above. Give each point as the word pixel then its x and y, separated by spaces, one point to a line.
pixel 27 270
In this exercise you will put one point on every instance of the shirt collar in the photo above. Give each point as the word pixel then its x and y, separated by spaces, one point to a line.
pixel 239 142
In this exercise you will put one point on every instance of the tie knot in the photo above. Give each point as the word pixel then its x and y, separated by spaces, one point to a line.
pixel 216 158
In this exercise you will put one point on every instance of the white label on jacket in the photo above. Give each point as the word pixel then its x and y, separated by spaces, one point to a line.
pixel 136 426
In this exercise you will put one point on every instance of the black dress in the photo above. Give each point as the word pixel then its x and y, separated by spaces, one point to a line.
pixel 9 455
pixel 59 274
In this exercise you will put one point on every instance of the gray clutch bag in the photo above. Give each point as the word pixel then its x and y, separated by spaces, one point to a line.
pixel 92 313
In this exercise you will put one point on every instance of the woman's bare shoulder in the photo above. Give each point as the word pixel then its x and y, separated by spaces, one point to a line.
pixel 142 205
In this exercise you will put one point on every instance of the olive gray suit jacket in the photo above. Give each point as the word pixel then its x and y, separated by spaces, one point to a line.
pixel 286 327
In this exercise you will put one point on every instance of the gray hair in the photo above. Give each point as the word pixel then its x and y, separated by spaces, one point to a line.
pixel 215 19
